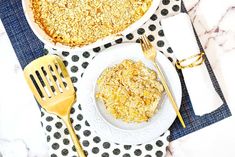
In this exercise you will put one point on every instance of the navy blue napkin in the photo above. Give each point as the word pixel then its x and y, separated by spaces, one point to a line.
pixel 26 45
pixel 194 122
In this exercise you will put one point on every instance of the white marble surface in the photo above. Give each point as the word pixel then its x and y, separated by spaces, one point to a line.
pixel 19 113
pixel 215 24
pixel 214 21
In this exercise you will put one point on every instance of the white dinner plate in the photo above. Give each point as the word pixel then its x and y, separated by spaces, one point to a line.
pixel 103 122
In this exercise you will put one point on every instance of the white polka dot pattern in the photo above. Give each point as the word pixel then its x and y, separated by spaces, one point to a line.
pixel 59 141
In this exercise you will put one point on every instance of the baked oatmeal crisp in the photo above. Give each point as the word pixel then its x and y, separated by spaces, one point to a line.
pixel 81 22
pixel 130 91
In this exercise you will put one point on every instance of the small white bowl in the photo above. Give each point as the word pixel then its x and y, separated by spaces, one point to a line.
pixel 39 32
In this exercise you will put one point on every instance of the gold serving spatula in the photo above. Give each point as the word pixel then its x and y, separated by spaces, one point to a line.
pixel 51 85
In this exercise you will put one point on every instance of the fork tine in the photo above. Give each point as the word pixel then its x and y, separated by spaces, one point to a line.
pixel 146 39
pixel 147 42
pixel 143 44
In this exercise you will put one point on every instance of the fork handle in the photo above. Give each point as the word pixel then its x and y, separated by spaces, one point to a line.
pixel 76 142
pixel 163 80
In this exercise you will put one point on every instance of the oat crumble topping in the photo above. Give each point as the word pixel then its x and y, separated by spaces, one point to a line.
pixel 81 22
pixel 130 91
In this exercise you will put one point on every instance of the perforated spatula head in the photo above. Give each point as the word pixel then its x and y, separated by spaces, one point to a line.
pixel 51 84
pixel 52 87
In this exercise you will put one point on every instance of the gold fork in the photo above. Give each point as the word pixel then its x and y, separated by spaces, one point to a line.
pixel 150 53
pixel 52 87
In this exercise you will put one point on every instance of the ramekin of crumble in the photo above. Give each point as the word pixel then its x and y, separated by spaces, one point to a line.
pixel 74 25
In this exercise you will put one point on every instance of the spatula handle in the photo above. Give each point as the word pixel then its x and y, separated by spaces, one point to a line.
pixel 74 137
